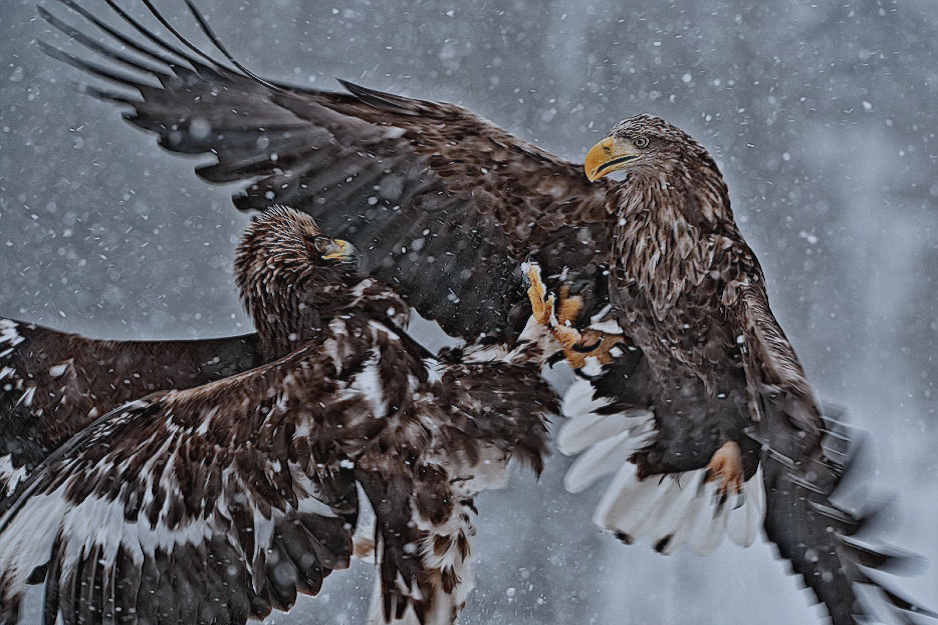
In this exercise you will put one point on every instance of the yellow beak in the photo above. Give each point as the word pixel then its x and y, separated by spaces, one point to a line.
pixel 342 251
pixel 606 157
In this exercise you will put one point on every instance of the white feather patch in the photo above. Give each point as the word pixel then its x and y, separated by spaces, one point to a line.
pixel 669 510
pixel 603 458
pixel 8 333
pixel 9 477
pixel 680 508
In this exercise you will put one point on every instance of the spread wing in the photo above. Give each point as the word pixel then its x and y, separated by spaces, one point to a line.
pixel 793 460
pixel 52 384
pixel 195 506
pixel 447 204
pixel 805 460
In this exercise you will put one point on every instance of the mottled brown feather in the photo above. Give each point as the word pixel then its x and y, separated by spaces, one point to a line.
pixel 52 383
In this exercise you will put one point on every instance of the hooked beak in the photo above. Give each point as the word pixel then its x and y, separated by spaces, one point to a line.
pixel 341 251
pixel 606 157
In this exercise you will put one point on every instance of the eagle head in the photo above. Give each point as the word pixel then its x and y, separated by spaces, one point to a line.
pixel 686 176
pixel 283 260
pixel 286 239
pixel 647 142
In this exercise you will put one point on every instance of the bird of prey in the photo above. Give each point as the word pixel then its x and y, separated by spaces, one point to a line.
pixel 221 502
pixel 53 384
pixel 722 430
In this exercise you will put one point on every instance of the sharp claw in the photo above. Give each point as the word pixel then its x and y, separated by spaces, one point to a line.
pixel 726 468
pixel 560 318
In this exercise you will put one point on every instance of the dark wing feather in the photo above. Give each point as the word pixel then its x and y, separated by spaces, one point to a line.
pixel 211 507
pixel 431 190
pixel 805 459
pixel 54 383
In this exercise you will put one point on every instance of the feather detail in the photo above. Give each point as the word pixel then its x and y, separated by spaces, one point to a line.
pixel 670 509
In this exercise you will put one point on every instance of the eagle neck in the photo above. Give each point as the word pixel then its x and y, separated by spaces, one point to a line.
pixel 292 307
pixel 660 250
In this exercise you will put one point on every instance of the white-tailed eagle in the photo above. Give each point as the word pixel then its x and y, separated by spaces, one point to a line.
pixel 723 429
pixel 219 503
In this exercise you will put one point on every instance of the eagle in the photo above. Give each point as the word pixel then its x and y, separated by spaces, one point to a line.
pixel 693 398
pixel 221 502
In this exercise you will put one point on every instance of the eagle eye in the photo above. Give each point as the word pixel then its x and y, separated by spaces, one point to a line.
pixel 321 245
pixel 640 142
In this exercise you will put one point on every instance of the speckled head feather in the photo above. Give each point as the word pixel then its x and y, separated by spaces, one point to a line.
pixel 293 279
pixel 663 155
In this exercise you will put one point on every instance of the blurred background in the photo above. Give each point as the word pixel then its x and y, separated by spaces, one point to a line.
pixel 822 117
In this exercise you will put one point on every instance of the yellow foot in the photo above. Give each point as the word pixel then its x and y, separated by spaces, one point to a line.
pixel 591 344
pixel 363 548
pixel 561 317
pixel 569 307
pixel 542 304
pixel 726 468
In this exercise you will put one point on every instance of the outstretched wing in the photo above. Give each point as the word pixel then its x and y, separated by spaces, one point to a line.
pixel 658 434
pixel 805 459
pixel 446 203
pixel 52 384
pixel 201 506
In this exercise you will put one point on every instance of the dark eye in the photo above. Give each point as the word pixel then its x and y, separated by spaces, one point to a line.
pixel 640 142
pixel 321 244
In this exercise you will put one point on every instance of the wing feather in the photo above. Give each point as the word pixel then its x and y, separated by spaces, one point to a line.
pixel 53 383
pixel 99 550
pixel 805 460
pixel 343 156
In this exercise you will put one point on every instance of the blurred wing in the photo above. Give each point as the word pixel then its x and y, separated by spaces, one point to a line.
pixel 446 203
pixel 805 459
pixel 197 506
pixel 53 383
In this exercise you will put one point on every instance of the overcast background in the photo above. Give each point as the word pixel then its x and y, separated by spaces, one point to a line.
pixel 822 117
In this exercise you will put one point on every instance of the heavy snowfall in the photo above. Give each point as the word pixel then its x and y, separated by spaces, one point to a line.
pixel 823 120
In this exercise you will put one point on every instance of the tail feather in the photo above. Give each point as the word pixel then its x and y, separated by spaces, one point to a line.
pixel 669 510
pixel 605 457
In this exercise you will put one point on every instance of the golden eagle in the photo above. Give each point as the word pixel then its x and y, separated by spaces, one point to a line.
pixel 721 430
pixel 219 503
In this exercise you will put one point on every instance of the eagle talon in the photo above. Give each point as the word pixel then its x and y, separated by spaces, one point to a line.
pixel 542 303
pixel 726 468
pixel 559 315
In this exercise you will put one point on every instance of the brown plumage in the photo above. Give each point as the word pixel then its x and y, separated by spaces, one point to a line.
pixel 221 502
pixel 53 384
pixel 704 389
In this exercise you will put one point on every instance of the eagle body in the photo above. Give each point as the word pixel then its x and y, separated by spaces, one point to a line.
pixel 701 412
pixel 222 502
pixel 674 269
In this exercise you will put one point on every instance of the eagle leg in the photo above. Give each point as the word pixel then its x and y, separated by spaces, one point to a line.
pixel 726 468
pixel 363 547
pixel 542 304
